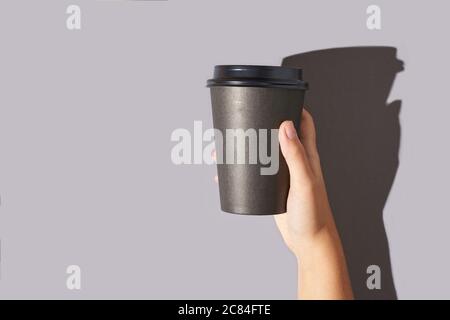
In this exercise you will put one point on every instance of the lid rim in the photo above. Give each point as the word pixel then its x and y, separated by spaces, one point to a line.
pixel 258 76
pixel 301 85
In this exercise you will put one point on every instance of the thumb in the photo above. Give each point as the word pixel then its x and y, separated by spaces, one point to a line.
pixel 294 153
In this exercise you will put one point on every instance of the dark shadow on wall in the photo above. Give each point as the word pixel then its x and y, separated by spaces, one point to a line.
pixel 358 137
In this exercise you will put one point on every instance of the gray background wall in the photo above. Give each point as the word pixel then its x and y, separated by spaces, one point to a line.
pixel 85 123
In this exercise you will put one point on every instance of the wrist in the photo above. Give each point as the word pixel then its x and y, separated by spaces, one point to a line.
pixel 324 237
pixel 322 270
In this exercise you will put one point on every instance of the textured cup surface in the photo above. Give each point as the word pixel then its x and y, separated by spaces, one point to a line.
pixel 243 189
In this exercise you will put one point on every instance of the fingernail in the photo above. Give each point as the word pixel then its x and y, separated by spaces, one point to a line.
pixel 291 133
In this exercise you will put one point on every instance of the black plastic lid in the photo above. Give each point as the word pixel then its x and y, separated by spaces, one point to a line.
pixel 258 76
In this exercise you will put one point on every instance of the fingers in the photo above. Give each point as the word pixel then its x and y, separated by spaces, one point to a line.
pixel 307 132
pixel 295 154
pixel 308 139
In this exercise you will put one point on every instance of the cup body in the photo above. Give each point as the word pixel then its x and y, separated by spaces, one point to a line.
pixel 242 186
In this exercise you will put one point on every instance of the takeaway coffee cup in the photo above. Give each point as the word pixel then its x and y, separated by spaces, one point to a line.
pixel 248 105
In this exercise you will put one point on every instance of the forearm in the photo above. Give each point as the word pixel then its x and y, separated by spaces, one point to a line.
pixel 322 270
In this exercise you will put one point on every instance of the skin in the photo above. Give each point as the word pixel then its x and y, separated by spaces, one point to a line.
pixel 308 226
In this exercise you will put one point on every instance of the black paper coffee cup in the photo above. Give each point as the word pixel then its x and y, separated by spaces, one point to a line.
pixel 248 105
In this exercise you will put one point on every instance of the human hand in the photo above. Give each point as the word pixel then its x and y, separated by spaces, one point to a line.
pixel 308 210
pixel 308 226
